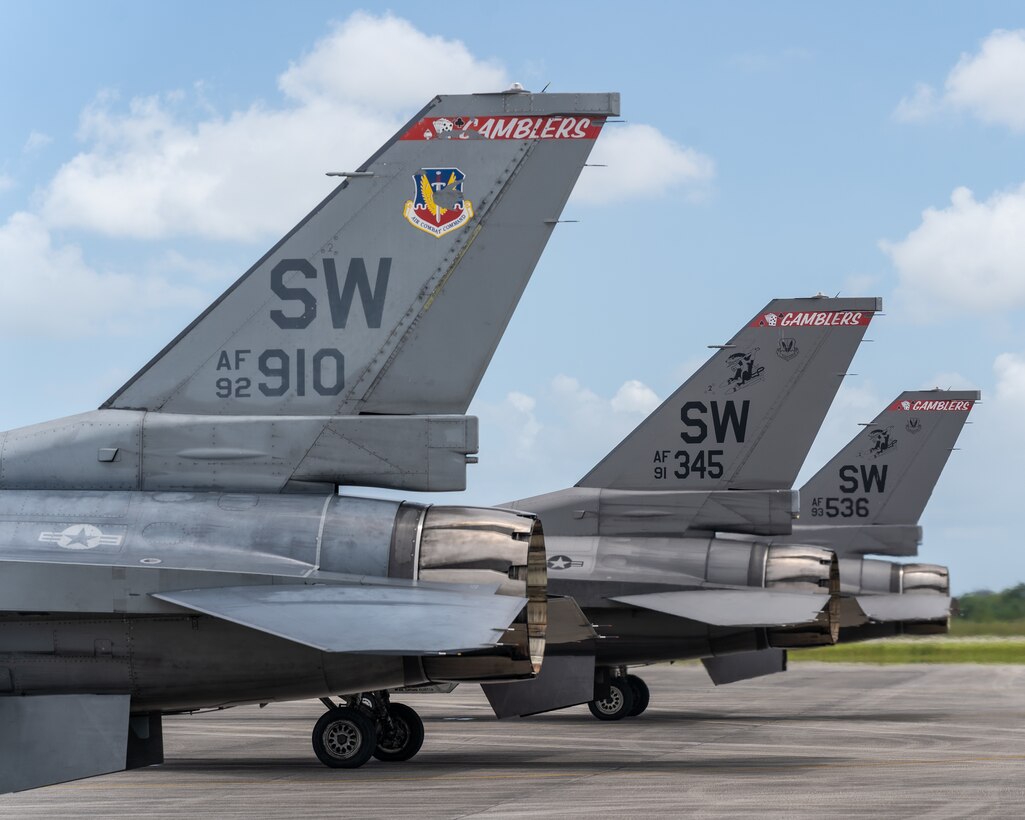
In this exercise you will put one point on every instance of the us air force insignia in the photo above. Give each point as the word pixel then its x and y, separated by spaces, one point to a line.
pixel 913 425
pixel 81 537
pixel 787 349
pixel 438 205
pixel 563 562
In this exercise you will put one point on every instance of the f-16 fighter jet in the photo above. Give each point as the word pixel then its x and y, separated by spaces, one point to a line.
pixel 184 546
pixel 642 541
pixel 868 500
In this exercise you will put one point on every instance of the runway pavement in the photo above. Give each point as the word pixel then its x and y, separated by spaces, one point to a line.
pixel 821 740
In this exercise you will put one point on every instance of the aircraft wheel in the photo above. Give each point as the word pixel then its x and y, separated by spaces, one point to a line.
pixel 642 695
pixel 344 738
pixel 618 703
pixel 406 735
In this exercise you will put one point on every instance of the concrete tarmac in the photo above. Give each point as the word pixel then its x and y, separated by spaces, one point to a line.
pixel 821 740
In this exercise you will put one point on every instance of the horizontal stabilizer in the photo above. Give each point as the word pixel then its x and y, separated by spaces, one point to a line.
pixel 898 607
pixel 50 739
pixel 745 665
pixel 410 621
pixel 563 681
pixel 733 607
pixel 858 539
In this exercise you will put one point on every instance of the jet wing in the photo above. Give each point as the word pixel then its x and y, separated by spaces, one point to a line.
pixel 365 620
pixel 733 607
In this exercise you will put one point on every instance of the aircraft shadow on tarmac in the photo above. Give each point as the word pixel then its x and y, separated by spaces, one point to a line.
pixel 539 761
pixel 655 717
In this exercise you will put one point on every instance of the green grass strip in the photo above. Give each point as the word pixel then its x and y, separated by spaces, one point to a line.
pixel 931 650
pixel 963 627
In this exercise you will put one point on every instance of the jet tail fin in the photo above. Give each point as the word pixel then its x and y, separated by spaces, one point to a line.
pixel 392 295
pixel 884 476
pixel 747 418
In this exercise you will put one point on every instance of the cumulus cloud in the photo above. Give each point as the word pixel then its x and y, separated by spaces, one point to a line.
pixel 366 60
pixel 49 290
pixel 968 256
pixel 150 169
pixel 151 172
pixel 641 162
pixel 989 84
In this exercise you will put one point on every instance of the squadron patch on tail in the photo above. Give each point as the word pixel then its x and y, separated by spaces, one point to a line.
pixel 438 206
pixel 882 441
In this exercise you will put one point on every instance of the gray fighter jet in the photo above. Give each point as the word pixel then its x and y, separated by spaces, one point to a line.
pixel 868 500
pixel 184 547
pixel 642 541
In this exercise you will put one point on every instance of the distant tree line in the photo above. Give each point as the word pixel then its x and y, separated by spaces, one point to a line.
pixel 1008 605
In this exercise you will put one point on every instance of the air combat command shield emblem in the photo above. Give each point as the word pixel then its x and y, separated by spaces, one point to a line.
pixel 438 205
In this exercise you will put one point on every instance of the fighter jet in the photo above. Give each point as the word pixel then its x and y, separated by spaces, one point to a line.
pixel 641 542
pixel 184 547
pixel 868 500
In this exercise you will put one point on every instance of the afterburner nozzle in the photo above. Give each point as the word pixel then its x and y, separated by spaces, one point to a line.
pixel 808 569
pixel 490 547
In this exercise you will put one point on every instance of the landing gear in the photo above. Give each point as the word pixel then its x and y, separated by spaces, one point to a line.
pixel 628 695
pixel 344 738
pixel 368 724
pixel 617 704
pixel 403 738
pixel 641 695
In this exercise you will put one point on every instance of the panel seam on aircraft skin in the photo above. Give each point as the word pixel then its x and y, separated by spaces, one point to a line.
pixel 320 535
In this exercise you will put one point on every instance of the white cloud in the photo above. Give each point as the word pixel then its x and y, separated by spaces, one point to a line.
pixel 534 444
pixel 634 397
pixel 49 290
pixel 969 256
pixel 921 105
pixel 36 142
pixel 524 421
pixel 989 85
pixel 149 172
pixel 152 170
pixel 366 61
pixel 641 163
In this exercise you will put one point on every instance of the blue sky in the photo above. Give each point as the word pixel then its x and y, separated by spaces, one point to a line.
pixel 150 153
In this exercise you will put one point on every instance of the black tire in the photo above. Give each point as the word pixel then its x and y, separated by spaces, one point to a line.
pixel 617 705
pixel 642 695
pixel 407 738
pixel 344 738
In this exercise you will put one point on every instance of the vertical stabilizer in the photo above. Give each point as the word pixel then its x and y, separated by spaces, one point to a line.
pixel 747 418
pixel 886 473
pixel 391 296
